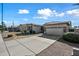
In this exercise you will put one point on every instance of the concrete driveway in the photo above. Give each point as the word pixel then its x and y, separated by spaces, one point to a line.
pixel 28 46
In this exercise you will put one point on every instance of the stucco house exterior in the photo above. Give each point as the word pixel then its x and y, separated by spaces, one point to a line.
pixel 57 28
pixel 28 27
pixel 36 28
pixel 76 29
pixel 13 29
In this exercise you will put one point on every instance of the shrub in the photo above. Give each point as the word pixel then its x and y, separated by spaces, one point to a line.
pixel 32 32
pixel 10 35
pixel 71 37
pixel 25 32
pixel 71 30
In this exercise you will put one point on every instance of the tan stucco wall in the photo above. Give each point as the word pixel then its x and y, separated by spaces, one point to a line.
pixel 37 28
pixel 34 27
pixel 65 26
pixel 23 27
pixel 56 25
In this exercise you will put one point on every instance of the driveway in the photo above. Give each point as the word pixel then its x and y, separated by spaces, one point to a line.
pixel 29 46
pixel 35 45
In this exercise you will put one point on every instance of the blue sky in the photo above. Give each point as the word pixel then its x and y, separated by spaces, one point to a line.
pixel 39 13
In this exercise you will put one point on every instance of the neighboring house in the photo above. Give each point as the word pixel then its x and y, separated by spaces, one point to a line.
pixel 36 28
pixel 76 29
pixel 23 27
pixel 57 28
pixel 13 29
pixel 29 27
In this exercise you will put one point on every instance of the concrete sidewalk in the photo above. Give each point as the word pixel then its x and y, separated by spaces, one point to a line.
pixel 3 49
pixel 28 46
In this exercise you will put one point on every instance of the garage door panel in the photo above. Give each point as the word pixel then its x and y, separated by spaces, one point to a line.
pixel 55 31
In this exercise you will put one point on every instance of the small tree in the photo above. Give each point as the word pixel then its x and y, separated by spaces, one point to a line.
pixel 0 27
pixel 3 27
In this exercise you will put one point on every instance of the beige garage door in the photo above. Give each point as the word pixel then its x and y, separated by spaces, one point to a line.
pixel 54 31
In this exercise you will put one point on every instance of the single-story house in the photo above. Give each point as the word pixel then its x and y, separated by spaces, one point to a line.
pixel 13 29
pixel 76 29
pixel 36 28
pixel 57 28
pixel 29 27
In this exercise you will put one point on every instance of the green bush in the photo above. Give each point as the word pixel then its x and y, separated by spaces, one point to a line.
pixel 71 30
pixel 32 32
pixel 10 35
pixel 71 37
pixel 27 32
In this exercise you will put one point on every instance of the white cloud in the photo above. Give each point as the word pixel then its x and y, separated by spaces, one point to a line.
pixel 60 14
pixel 46 13
pixel 41 17
pixel 23 11
pixel 74 12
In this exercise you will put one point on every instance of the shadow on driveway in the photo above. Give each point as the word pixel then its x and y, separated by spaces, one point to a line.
pixel 53 37
pixel 73 45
